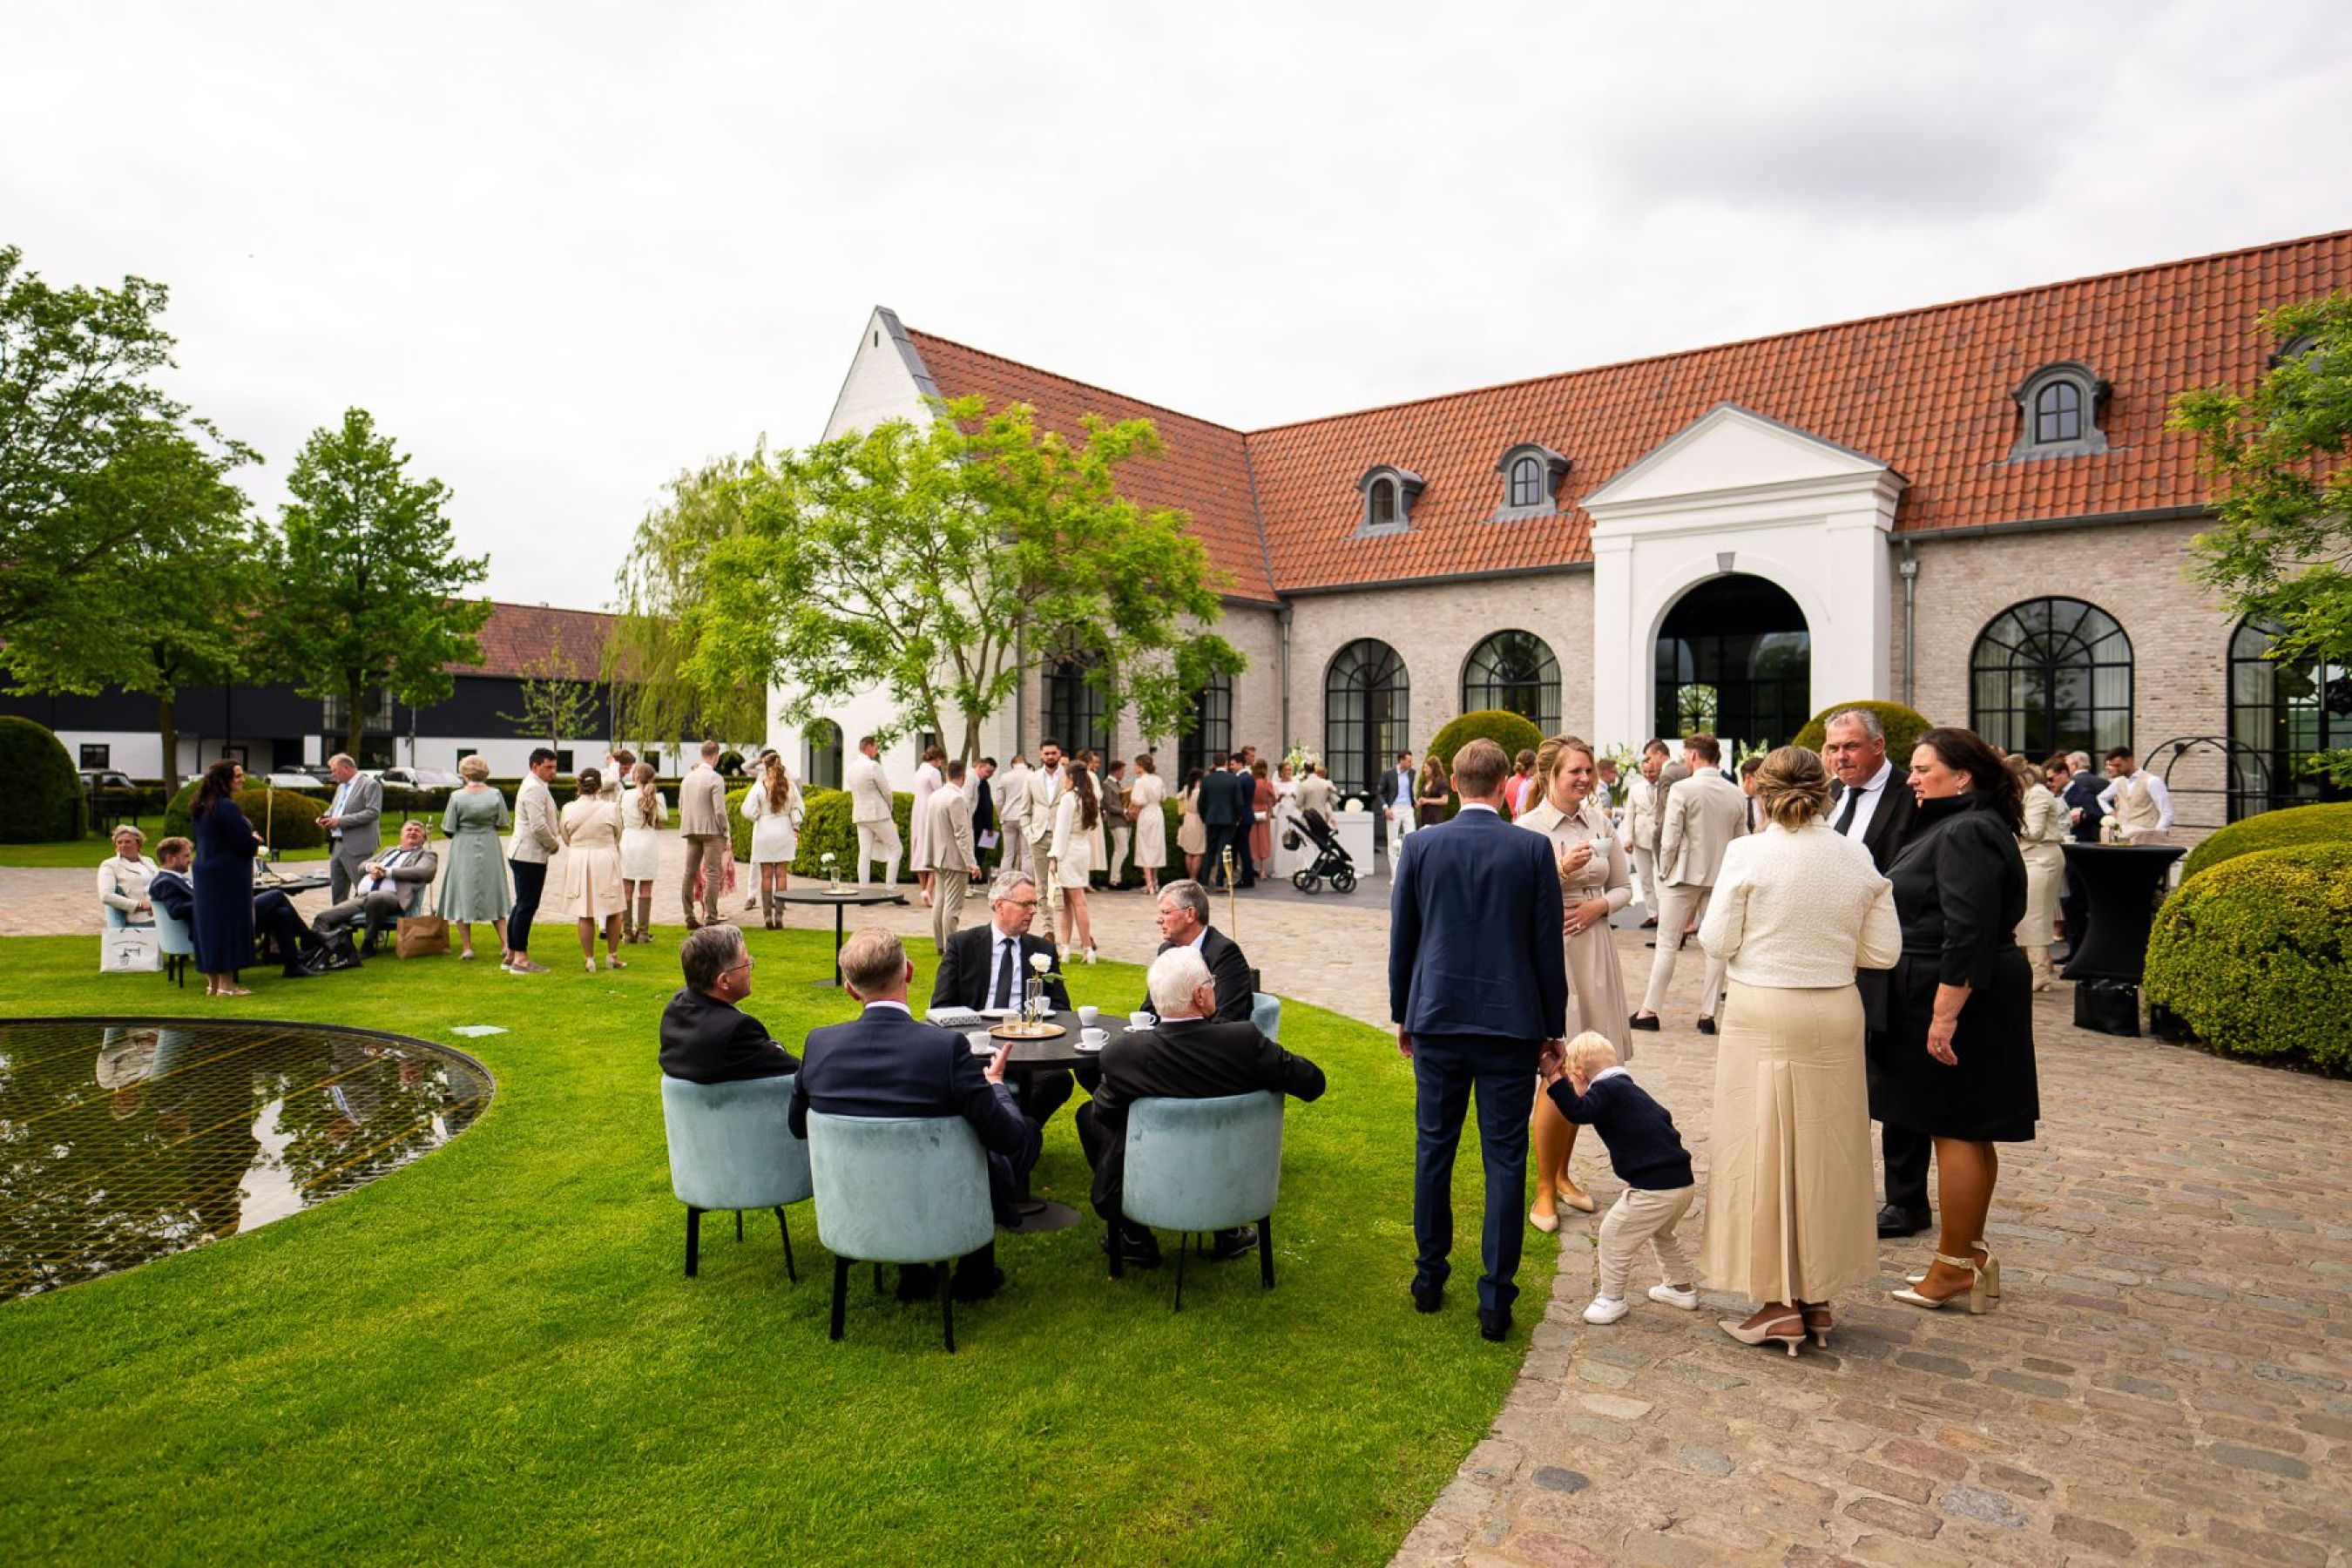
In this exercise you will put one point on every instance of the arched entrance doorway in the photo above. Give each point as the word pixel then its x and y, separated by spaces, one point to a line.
pixel 1734 656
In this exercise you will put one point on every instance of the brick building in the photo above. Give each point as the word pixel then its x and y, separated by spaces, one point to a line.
pixel 1972 507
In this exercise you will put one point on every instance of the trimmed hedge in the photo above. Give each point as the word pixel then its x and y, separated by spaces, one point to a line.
pixel 827 829
pixel 1904 727
pixel 2278 830
pixel 2255 955
pixel 289 817
pixel 1513 731
pixel 44 800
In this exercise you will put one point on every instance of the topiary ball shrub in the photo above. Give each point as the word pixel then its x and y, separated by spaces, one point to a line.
pixel 1512 732
pixel 2255 955
pixel 290 819
pixel 2272 830
pixel 43 802
pixel 1903 726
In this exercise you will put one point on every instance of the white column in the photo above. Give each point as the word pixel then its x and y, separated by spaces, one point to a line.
pixel 1620 670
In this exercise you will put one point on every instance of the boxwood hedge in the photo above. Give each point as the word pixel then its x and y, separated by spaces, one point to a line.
pixel 2254 955
pixel 2272 830
pixel 43 802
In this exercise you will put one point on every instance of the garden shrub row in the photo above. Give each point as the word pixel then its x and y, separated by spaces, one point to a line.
pixel 2254 954
pixel 2288 826
pixel 289 817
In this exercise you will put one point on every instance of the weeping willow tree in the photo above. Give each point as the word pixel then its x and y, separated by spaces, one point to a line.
pixel 664 587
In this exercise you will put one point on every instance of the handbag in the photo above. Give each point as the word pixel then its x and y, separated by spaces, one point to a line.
pixel 335 950
pixel 131 950
pixel 421 936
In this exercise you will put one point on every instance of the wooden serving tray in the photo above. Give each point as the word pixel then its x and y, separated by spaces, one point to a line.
pixel 1019 1031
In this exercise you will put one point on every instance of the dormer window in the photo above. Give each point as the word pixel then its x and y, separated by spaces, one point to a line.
pixel 2061 406
pixel 1531 476
pixel 1389 492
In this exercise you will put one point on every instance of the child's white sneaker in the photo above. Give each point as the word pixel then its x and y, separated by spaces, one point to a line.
pixel 1607 1309
pixel 1686 1299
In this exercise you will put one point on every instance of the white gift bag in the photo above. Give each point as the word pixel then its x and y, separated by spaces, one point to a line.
pixel 131 950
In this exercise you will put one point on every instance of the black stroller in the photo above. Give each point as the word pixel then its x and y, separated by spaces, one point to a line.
pixel 1331 858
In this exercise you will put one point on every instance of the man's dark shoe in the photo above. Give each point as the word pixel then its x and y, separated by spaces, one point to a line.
pixel 1135 1249
pixel 1651 924
pixel 1495 1323
pixel 977 1284
pixel 1894 1222
pixel 918 1283
pixel 1639 1022
pixel 1428 1295
pixel 1232 1244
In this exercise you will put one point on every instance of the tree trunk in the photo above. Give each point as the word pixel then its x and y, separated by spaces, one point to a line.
pixel 357 697
pixel 167 730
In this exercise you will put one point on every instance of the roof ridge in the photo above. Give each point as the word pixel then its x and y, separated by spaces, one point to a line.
pixel 1073 381
pixel 1793 332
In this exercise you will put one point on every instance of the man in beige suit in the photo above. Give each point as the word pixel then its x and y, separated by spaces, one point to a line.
pixel 702 822
pixel 534 843
pixel 954 862
pixel 1037 822
pixel 1701 815
pixel 870 812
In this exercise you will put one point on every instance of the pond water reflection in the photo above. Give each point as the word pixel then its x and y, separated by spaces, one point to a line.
pixel 124 1140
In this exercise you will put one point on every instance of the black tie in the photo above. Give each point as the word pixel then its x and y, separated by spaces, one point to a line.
pixel 1845 817
pixel 1004 974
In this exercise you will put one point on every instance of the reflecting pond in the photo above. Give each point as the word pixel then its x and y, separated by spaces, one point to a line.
pixel 123 1140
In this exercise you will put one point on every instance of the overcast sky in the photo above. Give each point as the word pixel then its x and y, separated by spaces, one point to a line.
pixel 562 251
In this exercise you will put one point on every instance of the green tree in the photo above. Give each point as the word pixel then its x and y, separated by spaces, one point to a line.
pixel 938 561
pixel 665 576
pixel 554 704
pixel 363 578
pixel 2282 550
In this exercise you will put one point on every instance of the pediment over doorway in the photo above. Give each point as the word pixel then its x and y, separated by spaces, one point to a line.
pixel 1730 449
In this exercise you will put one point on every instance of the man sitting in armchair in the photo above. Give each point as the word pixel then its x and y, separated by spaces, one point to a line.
pixel 389 887
pixel 706 1035
pixel 1191 1055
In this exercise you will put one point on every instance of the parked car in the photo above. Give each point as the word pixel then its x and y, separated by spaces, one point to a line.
pixel 293 778
pixel 415 778
pixel 105 778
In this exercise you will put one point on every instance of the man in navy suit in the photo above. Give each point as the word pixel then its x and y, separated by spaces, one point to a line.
pixel 1479 987
pixel 883 1063
pixel 1222 813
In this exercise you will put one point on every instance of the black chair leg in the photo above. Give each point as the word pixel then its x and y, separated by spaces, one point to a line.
pixel 947 1304
pixel 1117 1270
pixel 1266 1251
pixel 877 1280
pixel 693 1238
pixel 791 1273
pixel 840 1292
pixel 738 1228
pixel 1182 1248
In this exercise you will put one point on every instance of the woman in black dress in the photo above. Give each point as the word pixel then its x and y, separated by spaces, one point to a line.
pixel 225 842
pixel 1961 1069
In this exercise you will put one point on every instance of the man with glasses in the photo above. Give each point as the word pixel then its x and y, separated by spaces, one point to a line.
pixel 706 1038
pixel 989 966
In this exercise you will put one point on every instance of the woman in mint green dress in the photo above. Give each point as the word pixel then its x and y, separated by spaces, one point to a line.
pixel 473 871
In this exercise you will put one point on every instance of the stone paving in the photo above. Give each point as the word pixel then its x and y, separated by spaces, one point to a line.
pixel 2167 1380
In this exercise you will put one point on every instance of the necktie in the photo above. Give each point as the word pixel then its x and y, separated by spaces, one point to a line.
pixel 1004 974
pixel 1845 817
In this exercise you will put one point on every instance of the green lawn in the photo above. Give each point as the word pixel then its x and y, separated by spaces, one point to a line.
pixel 493 1354
pixel 92 849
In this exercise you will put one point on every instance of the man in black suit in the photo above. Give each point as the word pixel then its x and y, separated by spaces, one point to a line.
pixel 706 1037
pixel 2081 799
pixel 1479 987
pixel 1189 1056
pixel 883 1063
pixel 984 806
pixel 1224 816
pixel 1875 804
pixel 1184 922
pixel 989 966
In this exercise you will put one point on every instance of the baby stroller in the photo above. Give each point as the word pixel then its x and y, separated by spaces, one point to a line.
pixel 1331 858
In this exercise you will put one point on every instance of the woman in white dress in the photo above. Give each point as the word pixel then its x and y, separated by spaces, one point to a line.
pixel 642 814
pixel 122 881
pixel 1144 796
pixel 1796 910
pixel 2045 870
pixel 928 778
pixel 1070 859
pixel 774 807
pixel 591 827
pixel 1286 821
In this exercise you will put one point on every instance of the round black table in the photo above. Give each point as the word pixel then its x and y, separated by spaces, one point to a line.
pixel 840 901
pixel 2120 883
pixel 1059 1053
pixel 289 886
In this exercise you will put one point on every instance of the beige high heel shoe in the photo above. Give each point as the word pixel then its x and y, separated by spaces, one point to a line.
pixel 1991 1271
pixel 1818 1321
pixel 1974 1295
pixel 1546 1223
pixel 1788 1329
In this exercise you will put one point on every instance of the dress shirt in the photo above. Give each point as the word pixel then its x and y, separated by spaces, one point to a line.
pixel 335 807
pixel 2155 791
pixel 901 1005
pixel 999 946
pixel 377 884
pixel 1867 807
pixel 1477 805
pixel 1405 789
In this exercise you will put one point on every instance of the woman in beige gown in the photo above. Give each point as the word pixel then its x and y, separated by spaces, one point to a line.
pixel 2045 870
pixel 1595 883
pixel 591 826
pixel 1797 909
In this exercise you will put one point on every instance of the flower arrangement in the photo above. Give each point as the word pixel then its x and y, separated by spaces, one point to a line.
pixel 2110 828
pixel 831 878
pixel 1302 757
pixel 1033 1003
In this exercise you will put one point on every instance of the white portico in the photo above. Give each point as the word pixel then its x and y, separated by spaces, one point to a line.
pixel 1735 494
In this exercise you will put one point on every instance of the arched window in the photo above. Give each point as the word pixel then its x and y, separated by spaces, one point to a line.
pixel 1515 672
pixel 1531 475
pixel 2058 413
pixel 1210 739
pixel 1527 482
pixel 1388 491
pixel 821 755
pixel 1365 714
pixel 1384 506
pixel 2061 406
pixel 2052 675
pixel 1074 708
pixel 2281 713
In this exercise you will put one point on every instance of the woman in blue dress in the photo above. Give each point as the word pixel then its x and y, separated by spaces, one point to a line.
pixel 226 844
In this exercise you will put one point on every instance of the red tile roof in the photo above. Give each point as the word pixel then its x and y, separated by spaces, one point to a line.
pixel 535 641
pixel 1926 391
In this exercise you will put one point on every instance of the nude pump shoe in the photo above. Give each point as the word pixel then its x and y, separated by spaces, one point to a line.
pixel 1788 1329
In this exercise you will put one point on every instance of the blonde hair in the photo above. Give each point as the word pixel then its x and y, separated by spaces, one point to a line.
pixel 474 769
pixel 2027 775
pixel 1589 1052
pixel 1793 786
pixel 872 961
pixel 1547 758
pixel 136 836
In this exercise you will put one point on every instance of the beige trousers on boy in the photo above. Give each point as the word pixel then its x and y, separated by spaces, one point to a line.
pixel 1639 1215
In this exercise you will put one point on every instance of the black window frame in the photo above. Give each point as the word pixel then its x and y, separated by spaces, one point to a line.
pixel 1075 711
pixel 2279 727
pixel 2018 673
pixel 825 752
pixel 1366 714
pixel 1485 685
pixel 1212 734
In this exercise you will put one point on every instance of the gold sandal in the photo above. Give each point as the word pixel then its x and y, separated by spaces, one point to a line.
pixel 1974 1295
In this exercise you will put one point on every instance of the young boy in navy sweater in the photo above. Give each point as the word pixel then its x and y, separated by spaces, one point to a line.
pixel 1649 1158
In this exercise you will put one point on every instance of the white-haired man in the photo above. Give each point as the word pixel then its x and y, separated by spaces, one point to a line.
pixel 1189 1055
pixel 350 821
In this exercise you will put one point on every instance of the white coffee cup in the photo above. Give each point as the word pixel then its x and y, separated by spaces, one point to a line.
pixel 1094 1039
pixel 1087 1016
pixel 1140 1020
pixel 982 1042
